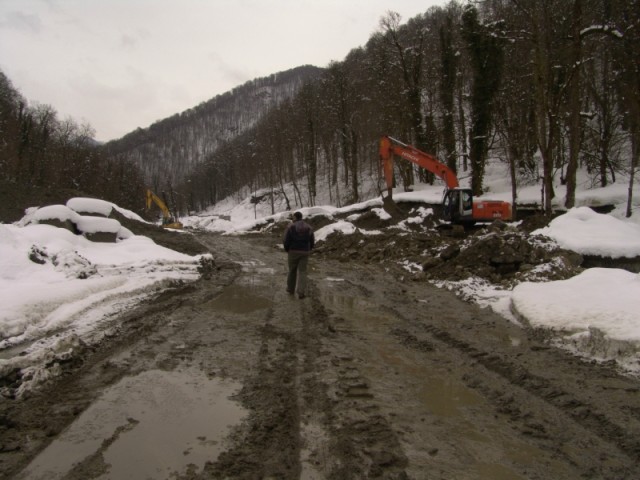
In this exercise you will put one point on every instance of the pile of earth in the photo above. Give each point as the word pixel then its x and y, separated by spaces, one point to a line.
pixel 499 253
pixel 173 239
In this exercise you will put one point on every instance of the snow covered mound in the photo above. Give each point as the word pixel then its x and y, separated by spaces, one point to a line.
pixel 580 303
pixel 90 205
pixel 58 289
pixel 595 313
pixel 78 216
pixel 589 233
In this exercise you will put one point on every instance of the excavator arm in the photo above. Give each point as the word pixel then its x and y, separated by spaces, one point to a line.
pixel 153 198
pixel 390 146
pixel 167 220
pixel 458 203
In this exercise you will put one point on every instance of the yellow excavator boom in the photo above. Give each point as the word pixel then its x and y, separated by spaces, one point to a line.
pixel 167 220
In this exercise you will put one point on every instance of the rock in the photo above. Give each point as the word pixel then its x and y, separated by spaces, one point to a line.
pixel 498 226
pixel 450 252
pixel 431 262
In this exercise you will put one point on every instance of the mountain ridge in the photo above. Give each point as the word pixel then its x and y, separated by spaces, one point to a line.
pixel 170 148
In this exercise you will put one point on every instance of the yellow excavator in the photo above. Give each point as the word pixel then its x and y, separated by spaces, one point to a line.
pixel 167 219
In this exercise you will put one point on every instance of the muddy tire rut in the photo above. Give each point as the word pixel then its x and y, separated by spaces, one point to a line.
pixel 370 376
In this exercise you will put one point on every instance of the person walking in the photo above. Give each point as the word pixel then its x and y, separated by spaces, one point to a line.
pixel 298 242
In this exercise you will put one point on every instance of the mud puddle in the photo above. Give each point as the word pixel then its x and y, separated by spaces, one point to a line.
pixel 255 273
pixel 246 294
pixel 238 298
pixel 436 397
pixel 157 424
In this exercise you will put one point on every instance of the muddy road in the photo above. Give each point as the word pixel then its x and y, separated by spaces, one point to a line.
pixel 370 376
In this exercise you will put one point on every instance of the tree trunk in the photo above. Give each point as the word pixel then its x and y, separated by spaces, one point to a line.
pixel 354 167
pixel 448 68
pixel 635 150
pixel 574 105
pixel 462 127
pixel 486 50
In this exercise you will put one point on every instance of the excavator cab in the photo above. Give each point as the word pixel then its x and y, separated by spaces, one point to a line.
pixel 457 205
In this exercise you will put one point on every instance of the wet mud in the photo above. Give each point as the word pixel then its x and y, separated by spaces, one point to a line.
pixel 373 375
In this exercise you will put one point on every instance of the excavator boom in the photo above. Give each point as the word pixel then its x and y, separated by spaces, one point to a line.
pixel 458 204
pixel 390 146
pixel 167 220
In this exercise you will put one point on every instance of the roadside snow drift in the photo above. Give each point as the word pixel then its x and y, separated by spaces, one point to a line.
pixel 58 289
pixel 589 233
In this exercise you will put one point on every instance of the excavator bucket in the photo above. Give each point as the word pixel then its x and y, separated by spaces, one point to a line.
pixel 391 207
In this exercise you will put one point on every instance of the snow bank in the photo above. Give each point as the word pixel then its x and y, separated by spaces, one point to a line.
pixel 589 233
pixel 90 205
pixel 606 299
pixel 58 288
pixel 87 224
pixel 346 228
pixel 50 212
pixel 594 314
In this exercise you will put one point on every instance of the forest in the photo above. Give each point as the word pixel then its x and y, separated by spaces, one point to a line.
pixel 171 149
pixel 40 152
pixel 546 87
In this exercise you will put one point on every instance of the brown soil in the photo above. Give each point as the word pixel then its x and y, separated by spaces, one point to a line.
pixel 376 374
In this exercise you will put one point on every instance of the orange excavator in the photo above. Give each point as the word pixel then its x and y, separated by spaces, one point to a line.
pixel 457 203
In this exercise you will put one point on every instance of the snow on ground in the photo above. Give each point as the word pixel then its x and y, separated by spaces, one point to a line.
pixel 58 288
pixel 612 328
pixel 589 233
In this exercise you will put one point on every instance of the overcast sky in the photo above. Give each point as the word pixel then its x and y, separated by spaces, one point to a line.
pixel 123 64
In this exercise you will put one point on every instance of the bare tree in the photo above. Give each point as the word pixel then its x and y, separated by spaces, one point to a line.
pixel 449 66
pixel 486 46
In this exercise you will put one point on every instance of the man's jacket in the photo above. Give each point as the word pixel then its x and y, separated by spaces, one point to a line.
pixel 299 237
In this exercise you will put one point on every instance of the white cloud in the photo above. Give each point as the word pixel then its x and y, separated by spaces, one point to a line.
pixel 22 22
pixel 163 57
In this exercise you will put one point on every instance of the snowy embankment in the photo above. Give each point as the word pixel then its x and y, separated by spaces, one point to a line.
pixel 59 289
pixel 595 314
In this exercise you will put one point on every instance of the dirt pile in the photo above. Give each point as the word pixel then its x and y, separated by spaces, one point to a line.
pixel 501 254
pixel 173 239
pixel 502 257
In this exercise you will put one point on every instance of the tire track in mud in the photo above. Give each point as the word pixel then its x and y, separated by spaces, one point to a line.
pixel 265 446
pixel 335 384
pixel 360 442
pixel 311 412
pixel 541 408
pixel 581 412
pixel 534 421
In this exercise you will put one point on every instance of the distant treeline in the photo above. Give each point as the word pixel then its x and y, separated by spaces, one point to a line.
pixel 38 150
pixel 171 149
